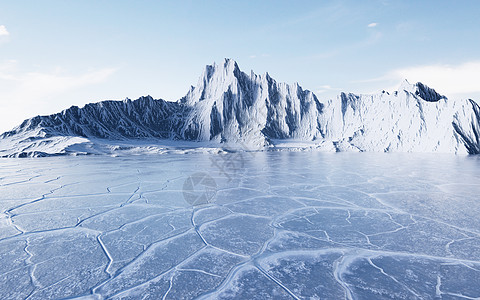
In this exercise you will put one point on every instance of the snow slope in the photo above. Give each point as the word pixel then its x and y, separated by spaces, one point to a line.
pixel 229 108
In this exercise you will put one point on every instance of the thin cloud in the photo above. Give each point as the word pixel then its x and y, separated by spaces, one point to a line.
pixel 451 80
pixel 371 25
pixel 459 79
pixel 26 94
pixel 372 39
pixel 4 31
pixel 326 88
pixel 255 56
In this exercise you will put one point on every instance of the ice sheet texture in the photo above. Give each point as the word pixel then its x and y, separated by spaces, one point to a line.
pixel 274 225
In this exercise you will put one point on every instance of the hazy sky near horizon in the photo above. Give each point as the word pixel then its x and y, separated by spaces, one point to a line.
pixel 56 53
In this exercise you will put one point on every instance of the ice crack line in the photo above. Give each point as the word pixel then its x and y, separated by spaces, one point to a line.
pixel 22 181
pixel 447 246
pixel 107 254
pixel 276 281
pixel 170 285
pixel 43 197
pixel 196 228
pixel 393 278
pixel 340 267
pixel 438 292
pixel 348 217
pixel 55 179
pixel 32 267
pixel 135 259
pixel 131 197
pixel 156 277
pixel 199 271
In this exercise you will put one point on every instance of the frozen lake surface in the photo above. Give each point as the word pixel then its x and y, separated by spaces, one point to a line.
pixel 277 225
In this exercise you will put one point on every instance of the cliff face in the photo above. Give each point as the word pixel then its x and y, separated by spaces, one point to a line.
pixel 230 107
pixel 144 117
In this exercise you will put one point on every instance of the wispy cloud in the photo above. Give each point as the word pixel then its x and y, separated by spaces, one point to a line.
pixel 449 79
pixel 371 25
pixel 371 40
pixel 4 31
pixel 326 88
pixel 45 84
pixel 29 93
pixel 256 56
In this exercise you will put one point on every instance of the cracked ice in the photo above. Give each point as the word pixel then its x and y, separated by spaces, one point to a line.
pixel 285 226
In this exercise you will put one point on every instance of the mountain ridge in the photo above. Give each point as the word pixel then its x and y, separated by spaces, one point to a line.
pixel 228 107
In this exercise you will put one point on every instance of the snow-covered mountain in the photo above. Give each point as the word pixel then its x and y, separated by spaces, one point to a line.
pixel 229 108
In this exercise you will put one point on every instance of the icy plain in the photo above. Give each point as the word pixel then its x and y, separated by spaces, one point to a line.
pixel 268 225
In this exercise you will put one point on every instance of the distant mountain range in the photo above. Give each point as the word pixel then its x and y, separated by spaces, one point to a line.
pixel 231 109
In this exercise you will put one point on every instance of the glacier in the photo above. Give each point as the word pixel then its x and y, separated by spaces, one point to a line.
pixel 229 109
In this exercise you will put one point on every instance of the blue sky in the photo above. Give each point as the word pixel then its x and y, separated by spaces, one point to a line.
pixel 54 54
